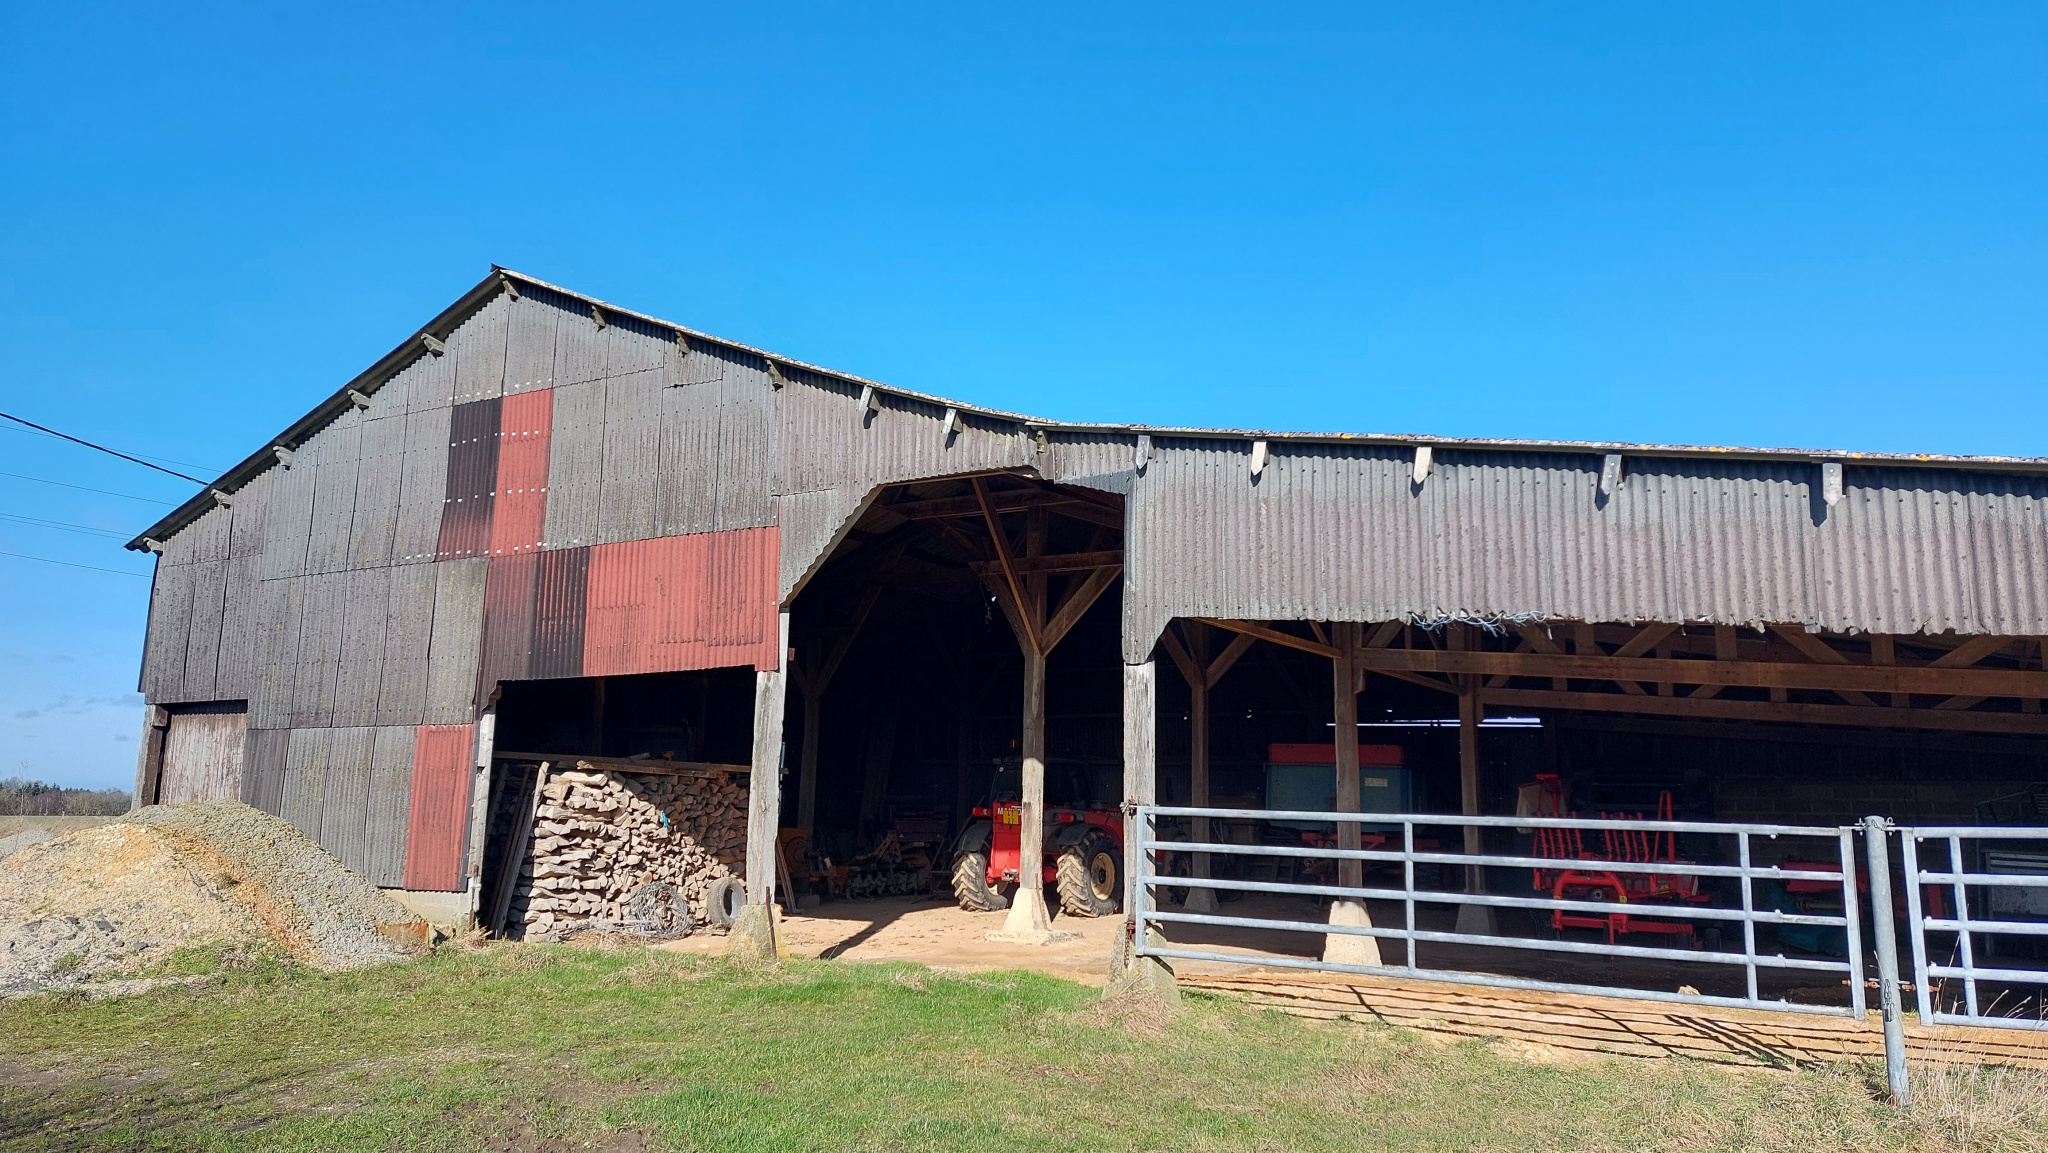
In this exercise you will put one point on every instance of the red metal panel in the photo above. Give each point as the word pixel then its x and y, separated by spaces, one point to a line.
pixel 702 601
pixel 524 424
pixel 558 611
pixel 440 807
pixel 1327 754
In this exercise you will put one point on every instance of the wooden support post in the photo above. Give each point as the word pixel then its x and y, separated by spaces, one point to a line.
pixel 1471 918
pixel 1027 909
pixel 764 781
pixel 1348 948
pixel 149 760
pixel 480 801
pixel 1141 780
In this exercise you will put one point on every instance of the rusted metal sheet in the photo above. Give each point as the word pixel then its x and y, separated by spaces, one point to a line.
pixel 438 824
pixel 423 486
pixel 561 598
pixel 519 514
pixel 390 804
pixel 477 350
pixel 263 759
pixel 457 637
pixel 687 602
pixel 472 480
pixel 203 755
pixel 408 629
pixel 508 620
pixel 1333 532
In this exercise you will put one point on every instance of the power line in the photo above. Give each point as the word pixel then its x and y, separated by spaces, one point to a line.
pixel 40 523
pixel 100 448
pixel 82 488
pixel 70 564
pixel 142 455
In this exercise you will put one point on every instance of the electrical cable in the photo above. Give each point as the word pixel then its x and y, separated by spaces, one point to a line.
pixel 144 456
pixel 101 448
pixel 73 564
pixel 82 488
pixel 86 528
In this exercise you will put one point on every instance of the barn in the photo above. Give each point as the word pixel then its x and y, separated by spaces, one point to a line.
pixel 547 526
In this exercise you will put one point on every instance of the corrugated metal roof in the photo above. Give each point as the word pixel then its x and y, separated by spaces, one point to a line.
pixel 584 351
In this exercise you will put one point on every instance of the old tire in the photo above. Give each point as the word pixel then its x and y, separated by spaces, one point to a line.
pixel 725 899
pixel 970 884
pixel 1091 877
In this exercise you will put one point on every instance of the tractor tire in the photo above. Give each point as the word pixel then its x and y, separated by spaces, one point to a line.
pixel 970 884
pixel 1091 877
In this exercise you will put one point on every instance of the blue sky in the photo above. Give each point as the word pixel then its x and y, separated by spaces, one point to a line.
pixel 1818 225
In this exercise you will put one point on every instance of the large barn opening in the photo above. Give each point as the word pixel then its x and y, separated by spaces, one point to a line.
pixel 910 733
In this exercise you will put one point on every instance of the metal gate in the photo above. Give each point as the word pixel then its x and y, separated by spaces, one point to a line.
pixel 1831 867
pixel 1989 897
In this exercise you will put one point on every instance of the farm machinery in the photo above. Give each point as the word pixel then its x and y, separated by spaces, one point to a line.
pixel 1644 902
pixel 1083 856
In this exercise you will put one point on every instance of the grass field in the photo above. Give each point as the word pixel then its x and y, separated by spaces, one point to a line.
pixel 555 1047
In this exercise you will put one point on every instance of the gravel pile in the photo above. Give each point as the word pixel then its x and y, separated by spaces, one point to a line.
pixel 15 842
pixel 87 909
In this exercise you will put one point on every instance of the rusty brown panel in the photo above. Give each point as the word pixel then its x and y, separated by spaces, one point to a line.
pixel 472 480
pixel 701 601
pixel 560 602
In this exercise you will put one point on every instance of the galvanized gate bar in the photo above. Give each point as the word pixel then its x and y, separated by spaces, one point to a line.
pixel 1958 879
pixel 1148 880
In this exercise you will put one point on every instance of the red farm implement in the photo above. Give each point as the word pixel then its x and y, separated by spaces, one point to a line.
pixel 1639 898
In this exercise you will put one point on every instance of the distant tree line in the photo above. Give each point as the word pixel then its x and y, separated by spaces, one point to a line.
pixel 21 797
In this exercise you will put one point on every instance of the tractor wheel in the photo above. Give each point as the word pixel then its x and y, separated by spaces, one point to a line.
pixel 970 884
pixel 1091 877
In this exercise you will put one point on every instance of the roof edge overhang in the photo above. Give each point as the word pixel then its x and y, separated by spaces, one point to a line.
pixel 374 377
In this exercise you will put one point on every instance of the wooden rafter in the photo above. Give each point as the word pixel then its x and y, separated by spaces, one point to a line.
pixel 1777 711
pixel 1002 546
pixel 1688 671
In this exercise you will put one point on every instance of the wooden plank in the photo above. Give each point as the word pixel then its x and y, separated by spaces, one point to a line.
pixel 1238 646
pixel 654 766
pixel 1025 616
pixel 1687 671
pixel 1971 651
pixel 1264 633
pixel 1645 640
pixel 514 859
pixel 1771 711
pixel 1182 659
pixel 390 803
pixel 1821 652
pixel 1001 500
pixel 1059 562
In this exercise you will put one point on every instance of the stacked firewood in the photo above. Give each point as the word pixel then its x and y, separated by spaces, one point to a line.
pixel 601 836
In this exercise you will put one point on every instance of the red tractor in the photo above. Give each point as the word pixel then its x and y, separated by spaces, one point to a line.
pixel 1084 856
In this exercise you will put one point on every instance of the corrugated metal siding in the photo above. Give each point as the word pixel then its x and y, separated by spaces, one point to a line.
pixel 338 458
pixel 472 480
pixel 530 345
pixel 280 607
pixel 632 455
pixel 390 804
pixel 263 759
pixel 561 599
pixel 345 803
pixel 439 814
pixel 423 486
pixel 170 621
pixel 823 440
pixel 241 640
pixel 519 514
pixel 580 343
pixel 715 444
pixel 477 346
pixel 1334 532
pixel 408 631
pixel 358 676
pixel 290 520
pixel 305 778
pixel 688 602
pixel 203 632
pixel 322 611
pixel 808 527
pixel 575 464
pixel 379 480
pixel 458 633
pixel 508 620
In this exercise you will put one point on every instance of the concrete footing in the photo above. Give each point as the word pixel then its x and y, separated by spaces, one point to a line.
pixel 1479 920
pixel 1133 976
pixel 753 936
pixel 1350 948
